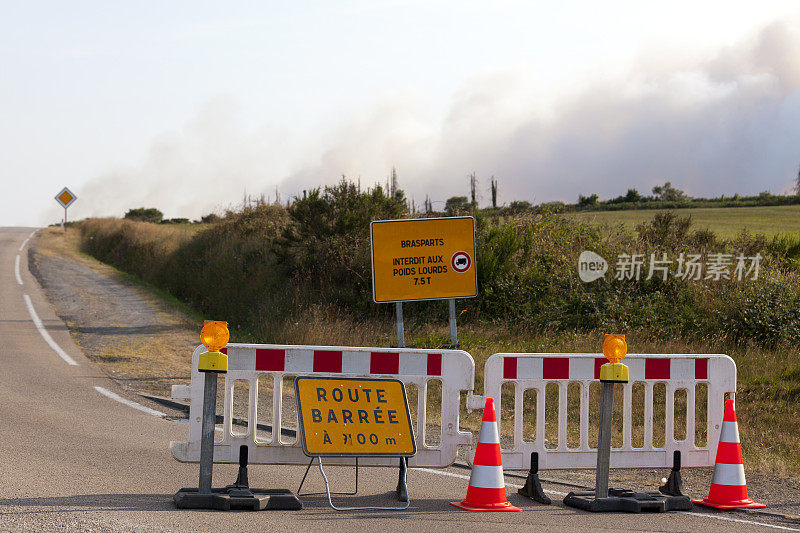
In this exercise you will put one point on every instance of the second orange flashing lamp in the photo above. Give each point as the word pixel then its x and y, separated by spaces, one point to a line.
pixel 615 349
pixel 214 336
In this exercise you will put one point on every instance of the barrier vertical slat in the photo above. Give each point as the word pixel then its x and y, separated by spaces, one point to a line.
pixel 648 415
pixel 277 411
pixel 627 416
pixel 540 416
pixel 669 414
pixel 519 407
pixel 255 418
pixel 562 415
pixel 584 414
pixel 690 414
pixel 422 395
pixel 227 426
pixel 252 424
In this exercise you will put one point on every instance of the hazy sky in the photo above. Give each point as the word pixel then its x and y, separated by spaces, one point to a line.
pixel 184 106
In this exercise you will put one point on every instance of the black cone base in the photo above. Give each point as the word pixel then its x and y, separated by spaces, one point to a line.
pixel 627 501
pixel 233 498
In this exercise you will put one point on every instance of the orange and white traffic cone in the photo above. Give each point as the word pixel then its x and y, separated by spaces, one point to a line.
pixel 487 487
pixel 728 487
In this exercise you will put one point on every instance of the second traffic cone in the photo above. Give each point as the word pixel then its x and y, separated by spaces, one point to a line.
pixel 728 487
pixel 487 487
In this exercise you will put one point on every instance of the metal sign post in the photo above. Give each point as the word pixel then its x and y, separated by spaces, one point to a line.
pixel 65 198
pixel 401 337
pixel 604 439
pixel 207 439
pixel 453 331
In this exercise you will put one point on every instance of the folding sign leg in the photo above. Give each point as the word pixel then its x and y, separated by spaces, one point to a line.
pixel 302 481
pixel 402 489
pixel 371 508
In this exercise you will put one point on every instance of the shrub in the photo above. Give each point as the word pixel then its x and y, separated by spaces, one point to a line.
pixel 456 205
pixel 150 214
pixel 267 264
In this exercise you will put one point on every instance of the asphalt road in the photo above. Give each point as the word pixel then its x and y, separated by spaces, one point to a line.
pixel 74 459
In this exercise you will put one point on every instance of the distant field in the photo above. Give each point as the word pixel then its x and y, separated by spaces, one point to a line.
pixel 725 221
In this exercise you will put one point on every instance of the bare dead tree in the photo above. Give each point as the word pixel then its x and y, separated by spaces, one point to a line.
pixel 393 182
pixel 473 189
pixel 797 182
pixel 493 188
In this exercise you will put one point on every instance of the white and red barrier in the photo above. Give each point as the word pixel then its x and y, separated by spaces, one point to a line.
pixel 677 372
pixel 456 371
pixel 246 362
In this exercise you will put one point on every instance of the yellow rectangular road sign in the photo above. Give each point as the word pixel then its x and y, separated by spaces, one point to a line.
pixel 354 417
pixel 423 259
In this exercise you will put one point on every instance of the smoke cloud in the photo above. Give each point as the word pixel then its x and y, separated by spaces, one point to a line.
pixel 716 125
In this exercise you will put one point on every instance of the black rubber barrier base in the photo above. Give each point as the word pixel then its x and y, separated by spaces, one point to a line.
pixel 239 496
pixel 533 485
pixel 674 485
pixel 237 499
pixel 627 501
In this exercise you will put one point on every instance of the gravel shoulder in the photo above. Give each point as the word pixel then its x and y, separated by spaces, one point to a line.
pixel 145 344
pixel 134 336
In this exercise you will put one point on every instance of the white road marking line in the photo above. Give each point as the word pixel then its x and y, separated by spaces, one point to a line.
pixel 46 336
pixel 21 246
pixel 557 493
pixel 107 393
pixel 738 520
pixel 16 270
pixel 462 476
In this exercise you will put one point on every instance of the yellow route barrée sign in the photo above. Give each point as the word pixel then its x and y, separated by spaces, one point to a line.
pixel 423 259
pixel 354 417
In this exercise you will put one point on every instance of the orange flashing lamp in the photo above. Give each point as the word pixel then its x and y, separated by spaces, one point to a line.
pixel 214 336
pixel 615 349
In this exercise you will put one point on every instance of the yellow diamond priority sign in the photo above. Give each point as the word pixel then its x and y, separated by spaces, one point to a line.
pixel 65 197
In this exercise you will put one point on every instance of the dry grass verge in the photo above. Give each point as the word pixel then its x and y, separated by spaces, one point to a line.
pixel 133 333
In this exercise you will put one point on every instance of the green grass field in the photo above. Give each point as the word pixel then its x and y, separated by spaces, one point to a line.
pixel 726 222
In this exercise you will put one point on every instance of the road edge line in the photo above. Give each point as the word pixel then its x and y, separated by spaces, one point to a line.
pixel 116 397
pixel 45 335
pixel 16 270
